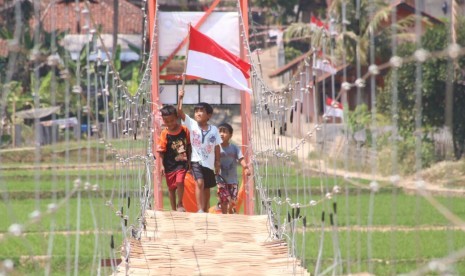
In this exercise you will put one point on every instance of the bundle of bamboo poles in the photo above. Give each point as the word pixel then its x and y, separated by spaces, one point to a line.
pixel 176 243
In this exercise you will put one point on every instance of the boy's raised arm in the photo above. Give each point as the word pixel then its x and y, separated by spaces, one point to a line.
pixel 181 113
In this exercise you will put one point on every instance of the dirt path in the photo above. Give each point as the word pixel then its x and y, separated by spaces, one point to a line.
pixel 408 184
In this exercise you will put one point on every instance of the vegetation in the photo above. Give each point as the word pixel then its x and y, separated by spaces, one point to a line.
pixel 393 212
pixel 393 253
pixel 435 75
pixel 350 33
pixel 39 72
pixel 390 209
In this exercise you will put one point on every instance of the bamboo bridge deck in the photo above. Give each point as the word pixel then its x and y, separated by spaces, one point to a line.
pixel 176 243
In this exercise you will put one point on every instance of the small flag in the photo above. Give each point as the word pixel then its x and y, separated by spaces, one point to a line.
pixel 208 60
pixel 333 108
pixel 325 66
pixel 315 22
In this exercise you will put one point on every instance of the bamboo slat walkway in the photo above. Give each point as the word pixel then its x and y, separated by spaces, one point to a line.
pixel 176 243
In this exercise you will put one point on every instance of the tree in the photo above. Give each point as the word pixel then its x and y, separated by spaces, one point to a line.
pixel 353 41
pixel 435 75
pixel 360 24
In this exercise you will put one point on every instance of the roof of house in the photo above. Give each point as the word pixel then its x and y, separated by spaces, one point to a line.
pixel 62 15
pixel 68 16
pixel 404 6
pixel 289 66
pixel 321 75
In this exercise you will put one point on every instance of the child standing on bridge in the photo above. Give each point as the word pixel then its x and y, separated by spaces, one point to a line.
pixel 205 141
pixel 230 156
pixel 173 147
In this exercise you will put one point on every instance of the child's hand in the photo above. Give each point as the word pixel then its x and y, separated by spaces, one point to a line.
pixel 162 170
pixel 246 171
pixel 181 93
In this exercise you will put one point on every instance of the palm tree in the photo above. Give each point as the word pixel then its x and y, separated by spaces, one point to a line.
pixel 358 24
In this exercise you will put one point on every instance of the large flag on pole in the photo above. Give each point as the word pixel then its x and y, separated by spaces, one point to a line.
pixel 208 60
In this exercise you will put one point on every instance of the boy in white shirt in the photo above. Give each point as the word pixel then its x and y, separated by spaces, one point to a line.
pixel 205 157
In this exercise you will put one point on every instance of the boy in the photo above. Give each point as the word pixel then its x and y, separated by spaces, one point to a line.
pixel 173 145
pixel 230 156
pixel 205 158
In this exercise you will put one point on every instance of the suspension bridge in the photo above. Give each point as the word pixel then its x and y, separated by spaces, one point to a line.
pixel 335 188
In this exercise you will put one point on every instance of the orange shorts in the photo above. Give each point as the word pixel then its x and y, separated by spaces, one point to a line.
pixel 173 178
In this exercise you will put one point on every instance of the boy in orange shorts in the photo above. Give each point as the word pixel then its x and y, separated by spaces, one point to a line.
pixel 173 146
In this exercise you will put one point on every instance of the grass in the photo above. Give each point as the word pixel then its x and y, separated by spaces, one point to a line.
pixel 74 152
pixel 92 211
pixel 405 236
pixel 96 223
pixel 392 252
pixel 25 252
pixel 406 249
pixel 106 181
pixel 388 209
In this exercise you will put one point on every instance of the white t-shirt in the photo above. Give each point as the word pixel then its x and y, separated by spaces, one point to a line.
pixel 203 143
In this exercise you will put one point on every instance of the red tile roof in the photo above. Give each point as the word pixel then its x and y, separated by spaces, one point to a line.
pixel 63 15
pixel 405 9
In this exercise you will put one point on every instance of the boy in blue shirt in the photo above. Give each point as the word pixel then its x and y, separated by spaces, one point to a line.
pixel 230 155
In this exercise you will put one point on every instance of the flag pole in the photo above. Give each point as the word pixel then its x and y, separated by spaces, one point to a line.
pixel 246 109
pixel 187 51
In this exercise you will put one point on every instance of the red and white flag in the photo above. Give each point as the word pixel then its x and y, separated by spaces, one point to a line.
pixel 333 108
pixel 315 22
pixel 330 28
pixel 208 60
pixel 324 64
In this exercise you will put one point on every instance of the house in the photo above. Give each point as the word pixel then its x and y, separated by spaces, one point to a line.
pixel 308 8
pixel 77 19
pixel 437 8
